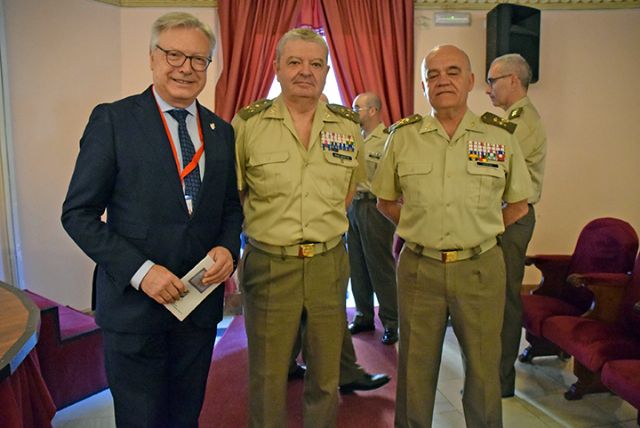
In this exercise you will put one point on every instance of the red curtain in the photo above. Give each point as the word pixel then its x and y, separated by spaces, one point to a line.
pixel 249 33
pixel 371 43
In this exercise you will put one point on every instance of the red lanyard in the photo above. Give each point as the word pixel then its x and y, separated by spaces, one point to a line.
pixel 196 158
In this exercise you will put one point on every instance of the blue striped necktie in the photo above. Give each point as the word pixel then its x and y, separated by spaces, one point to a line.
pixel 191 181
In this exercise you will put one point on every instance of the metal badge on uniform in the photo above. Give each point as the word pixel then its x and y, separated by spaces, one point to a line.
pixel 212 126
pixel 484 153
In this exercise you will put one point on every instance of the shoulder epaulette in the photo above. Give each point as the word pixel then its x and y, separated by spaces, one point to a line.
pixel 254 108
pixel 495 120
pixel 406 121
pixel 344 112
pixel 516 113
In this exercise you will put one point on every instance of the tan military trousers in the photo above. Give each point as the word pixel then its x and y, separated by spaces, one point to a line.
pixel 472 293
pixel 280 293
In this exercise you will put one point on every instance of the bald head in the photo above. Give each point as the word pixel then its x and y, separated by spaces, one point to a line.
pixel 367 105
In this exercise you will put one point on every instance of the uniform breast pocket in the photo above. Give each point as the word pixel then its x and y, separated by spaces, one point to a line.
pixel 339 168
pixel 485 185
pixel 373 159
pixel 414 181
pixel 266 173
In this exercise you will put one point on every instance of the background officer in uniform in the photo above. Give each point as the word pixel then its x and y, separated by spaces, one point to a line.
pixel 370 235
pixel 298 163
pixel 452 171
pixel 507 84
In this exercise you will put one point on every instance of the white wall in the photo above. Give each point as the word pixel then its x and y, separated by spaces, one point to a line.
pixel 65 56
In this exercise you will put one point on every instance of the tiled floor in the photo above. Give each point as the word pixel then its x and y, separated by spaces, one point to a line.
pixel 538 402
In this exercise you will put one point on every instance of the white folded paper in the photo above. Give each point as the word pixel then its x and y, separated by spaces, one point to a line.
pixel 197 290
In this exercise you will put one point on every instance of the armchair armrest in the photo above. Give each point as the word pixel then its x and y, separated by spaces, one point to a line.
pixel 554 269
pixel 608 290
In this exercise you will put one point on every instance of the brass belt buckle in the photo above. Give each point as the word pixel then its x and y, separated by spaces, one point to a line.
pixel 449 256
pixel 306 250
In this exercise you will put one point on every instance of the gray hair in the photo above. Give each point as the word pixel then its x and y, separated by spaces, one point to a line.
pixel 305 34
pixel 180 20
pixel 516 64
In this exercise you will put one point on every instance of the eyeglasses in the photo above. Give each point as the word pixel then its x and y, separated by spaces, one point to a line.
pixel 177 59
pixel 357 109
pixel 492 80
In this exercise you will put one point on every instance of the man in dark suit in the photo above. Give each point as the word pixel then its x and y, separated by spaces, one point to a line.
pixel 169 204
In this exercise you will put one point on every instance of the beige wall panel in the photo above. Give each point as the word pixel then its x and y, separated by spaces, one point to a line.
pixel 64 57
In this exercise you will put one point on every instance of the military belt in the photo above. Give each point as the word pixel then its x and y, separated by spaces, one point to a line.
pixel 454 255
pixel 364 195
pixel 309 249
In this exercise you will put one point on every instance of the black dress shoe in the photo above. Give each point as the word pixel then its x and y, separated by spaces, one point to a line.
pixel 297 373
pixel 390 336
pixel 366 383
pixel 356 327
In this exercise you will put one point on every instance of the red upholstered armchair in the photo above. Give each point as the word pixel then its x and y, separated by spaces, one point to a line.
pixel 622 377
pixel 609 331
pixel 70 350
pixel 604 245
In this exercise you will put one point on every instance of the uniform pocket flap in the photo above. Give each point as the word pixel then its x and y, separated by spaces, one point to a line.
pixel 413 168
pixel 267 158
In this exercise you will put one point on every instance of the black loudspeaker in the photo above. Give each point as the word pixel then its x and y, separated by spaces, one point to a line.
pixel 513 28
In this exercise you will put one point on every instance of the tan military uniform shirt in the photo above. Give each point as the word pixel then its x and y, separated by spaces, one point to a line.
pixel 373 148
pixel 295 195
pixel 533 141
pixel 452 188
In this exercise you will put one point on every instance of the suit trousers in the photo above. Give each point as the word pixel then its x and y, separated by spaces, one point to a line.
pixel 514 246
pixel 158 380
pixel 280 293
pixel 370 241
pixel 470 292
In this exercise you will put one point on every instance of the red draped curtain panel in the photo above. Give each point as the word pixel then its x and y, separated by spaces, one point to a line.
pixel 371 43
pixel 249 33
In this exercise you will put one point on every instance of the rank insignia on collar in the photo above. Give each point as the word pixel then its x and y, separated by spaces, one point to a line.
pixel 495 120
pixel 405 121
pixel 255 108
pixel 482 152
pixel 335 142
pixel 516 113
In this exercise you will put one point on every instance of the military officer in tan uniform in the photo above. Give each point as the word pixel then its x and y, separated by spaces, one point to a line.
pixel 507 84
pixel 370 235
pixel 298 164
pixel 452 172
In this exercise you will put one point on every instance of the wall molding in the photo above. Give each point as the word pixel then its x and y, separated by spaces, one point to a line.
pixel 538 4
pixel 421 4
pixel 162 3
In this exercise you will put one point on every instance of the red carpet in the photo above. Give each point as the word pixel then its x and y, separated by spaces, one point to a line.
pixel 225 402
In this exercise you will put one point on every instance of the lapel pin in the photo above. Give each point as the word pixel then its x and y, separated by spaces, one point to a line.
pixel 212 126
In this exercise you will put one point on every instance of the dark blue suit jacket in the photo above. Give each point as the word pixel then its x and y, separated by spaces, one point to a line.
pixel 126 166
